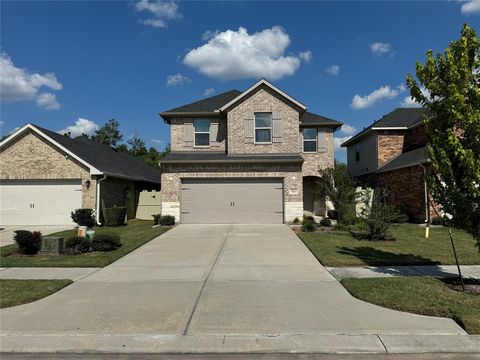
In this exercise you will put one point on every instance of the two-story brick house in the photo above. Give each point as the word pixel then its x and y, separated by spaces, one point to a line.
pixel 244 157
pixel 390 156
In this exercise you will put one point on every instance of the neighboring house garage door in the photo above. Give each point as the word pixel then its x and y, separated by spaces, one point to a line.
pixel 39 202
pixel 225 201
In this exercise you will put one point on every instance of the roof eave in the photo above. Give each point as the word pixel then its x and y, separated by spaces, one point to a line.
pixel 167 116
pixel 236 161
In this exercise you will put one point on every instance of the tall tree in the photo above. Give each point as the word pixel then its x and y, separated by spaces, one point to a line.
pixel 452 98
pixel 109 134
pixel 137 146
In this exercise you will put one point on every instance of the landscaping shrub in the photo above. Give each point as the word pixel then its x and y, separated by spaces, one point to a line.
pixel 402 218
pixel 115 216
pixel 340 227
pixel 376 221
pixel 28 243
pixel 332 214
pixel 326 222
pixel 106 242
pixel 156 218
pixel 309 227
pixel 296 221
pixel 437 220
pixel 76 245
pixel 167 220
pixel 83 217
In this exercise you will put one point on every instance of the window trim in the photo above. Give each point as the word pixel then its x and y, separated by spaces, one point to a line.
pixel 357 152
pixel 310 140
pixel 255 128
pixel 195 132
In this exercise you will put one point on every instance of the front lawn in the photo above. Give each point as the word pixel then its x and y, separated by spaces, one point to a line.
pixel 17 292
pixel 134 234
pixel 409 248
pixel 419 295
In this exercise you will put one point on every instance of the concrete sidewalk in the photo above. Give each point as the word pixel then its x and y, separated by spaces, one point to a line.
pixel 38 273
pixel 443 271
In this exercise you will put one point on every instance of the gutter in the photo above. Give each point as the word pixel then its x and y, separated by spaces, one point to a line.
pixel 97 210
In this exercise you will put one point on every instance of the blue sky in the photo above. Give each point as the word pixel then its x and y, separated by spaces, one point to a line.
pixel 130 60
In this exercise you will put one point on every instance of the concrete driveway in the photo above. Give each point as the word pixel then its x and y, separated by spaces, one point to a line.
pixel 6 235
pixel 198 281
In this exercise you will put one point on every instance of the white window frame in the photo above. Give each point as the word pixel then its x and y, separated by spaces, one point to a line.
pixel 255 128
pixel 311 140
pixel 195 132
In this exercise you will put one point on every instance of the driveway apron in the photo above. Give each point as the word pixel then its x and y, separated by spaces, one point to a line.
pixel 214 280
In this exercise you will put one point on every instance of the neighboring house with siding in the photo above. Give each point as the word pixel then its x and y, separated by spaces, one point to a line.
pixel 45 175
pixel 390 157
pixel 245 157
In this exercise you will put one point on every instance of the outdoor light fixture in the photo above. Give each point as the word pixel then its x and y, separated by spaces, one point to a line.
pixel 87 184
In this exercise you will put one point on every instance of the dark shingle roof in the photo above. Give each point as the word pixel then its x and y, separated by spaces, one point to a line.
pixel 105 158
pixel 311 119
pixel 206 105
pixel 216 157
pixel 410 158
pixel 400 117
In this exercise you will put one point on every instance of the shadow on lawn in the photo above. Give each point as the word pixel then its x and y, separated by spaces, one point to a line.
pixel 376 257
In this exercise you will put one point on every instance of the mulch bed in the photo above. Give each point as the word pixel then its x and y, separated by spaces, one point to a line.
pixel 472 286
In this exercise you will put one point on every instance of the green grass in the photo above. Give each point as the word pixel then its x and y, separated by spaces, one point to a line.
pixel 134 234
pixel 419 295
pixel 17 292
pixel 409 248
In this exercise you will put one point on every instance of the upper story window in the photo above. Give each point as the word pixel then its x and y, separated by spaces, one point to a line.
pixel 263 127
pixel 310 140
pixel 202 132
pixel 357 152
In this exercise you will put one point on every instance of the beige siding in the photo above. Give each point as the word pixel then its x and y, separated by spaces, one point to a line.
pixel 368 156
pixel 177 136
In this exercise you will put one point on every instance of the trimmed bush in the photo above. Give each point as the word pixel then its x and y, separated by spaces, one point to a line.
pixel 156 218
pixel 106 242
pixel 296 221
pixel 83 217
pixel 308 227
pixel 326 222
pixel 167 220
pixel 332 214
pixel 76 245
pixel 402 218
pixel 437 220
pixel 28 243
pixel 115 216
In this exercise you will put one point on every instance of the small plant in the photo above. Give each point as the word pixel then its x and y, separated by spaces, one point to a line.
pixel 29 243
pixel 308 227
pixel 167 220
pixel 115 216
pixel 332 214
pixel 326 222
pixel 77 245
pixel 156 219
pixel 341 227
pixel 106 242
pixel 437 220
pixel 296 221
pixel 376 221
pixel 84 217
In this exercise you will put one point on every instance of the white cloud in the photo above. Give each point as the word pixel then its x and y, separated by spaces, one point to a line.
pixel 385 92
pixel 233 55
pixel 48 101
pixel 177 80
pixel 306 56
pixel 18 84
pixel 338 141
pixel 209 34
pixel 159 10
pixel 348 129
pixel 82 126
pixel 408 102
pixel 333 70
pixel 209 92
pixel 380 48
pixel 156 142
pixel 471 7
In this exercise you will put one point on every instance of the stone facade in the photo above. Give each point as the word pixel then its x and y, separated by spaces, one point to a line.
pixel 389 145
pixel 30 157
pixel 177 137
pixel 263 99
pixel 290 173
pixel 319 160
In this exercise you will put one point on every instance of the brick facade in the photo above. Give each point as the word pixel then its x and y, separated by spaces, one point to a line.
pixel 177 137
pixel 389 145
pixel 319 160
pixel 415 138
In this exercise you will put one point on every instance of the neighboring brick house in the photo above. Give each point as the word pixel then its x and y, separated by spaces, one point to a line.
pixel 45 175
pixel 245 157
pixel 390 156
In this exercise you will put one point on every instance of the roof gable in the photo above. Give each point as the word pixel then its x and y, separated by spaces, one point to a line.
pixel 208 105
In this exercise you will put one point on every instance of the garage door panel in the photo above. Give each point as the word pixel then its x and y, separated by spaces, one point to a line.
pixel 232 201
pixel 39 202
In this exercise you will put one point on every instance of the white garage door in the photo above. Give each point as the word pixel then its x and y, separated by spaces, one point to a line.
pixel 228 201
pixel 39 202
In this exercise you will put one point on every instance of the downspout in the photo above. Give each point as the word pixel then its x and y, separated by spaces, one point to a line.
pixel 427 212
pixel 97 210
